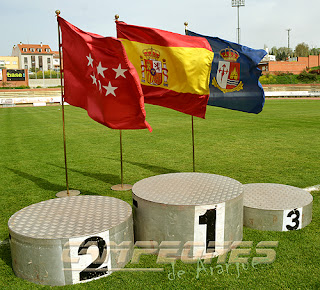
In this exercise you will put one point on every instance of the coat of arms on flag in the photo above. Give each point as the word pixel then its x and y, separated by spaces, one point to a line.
pixel 152 69
pixel 228 73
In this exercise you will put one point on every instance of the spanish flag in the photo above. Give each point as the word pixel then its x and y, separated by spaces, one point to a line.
pixel 174 69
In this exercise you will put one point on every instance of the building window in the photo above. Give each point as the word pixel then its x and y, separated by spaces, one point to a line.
pixel 14 62
pixel 32 49
pixel 40 62
pixel 25 60
pixel 47 49
pixel 24 49
pixel 48 63
pixel 33 61
pixel 39 49
pixel 26 66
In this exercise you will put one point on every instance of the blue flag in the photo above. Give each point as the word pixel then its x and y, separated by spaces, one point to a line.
pixel 234 78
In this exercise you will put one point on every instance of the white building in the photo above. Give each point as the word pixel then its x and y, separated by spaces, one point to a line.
pixel 268 57
pixel 32 56
pixel 56 61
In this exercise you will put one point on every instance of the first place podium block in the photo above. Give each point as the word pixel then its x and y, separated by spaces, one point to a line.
pixel 197 210
pixel 70 240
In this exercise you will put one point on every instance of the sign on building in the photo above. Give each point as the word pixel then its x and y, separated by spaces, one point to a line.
pixel 15 75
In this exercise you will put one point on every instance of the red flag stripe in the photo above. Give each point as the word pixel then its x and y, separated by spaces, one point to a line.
pixel 160 37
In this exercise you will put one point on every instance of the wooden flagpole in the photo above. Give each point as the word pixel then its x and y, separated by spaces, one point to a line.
pixel 121 186
pixel 67 192
pixel 192 125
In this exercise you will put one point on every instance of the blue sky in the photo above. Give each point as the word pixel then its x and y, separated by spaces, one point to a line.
pixel 262 22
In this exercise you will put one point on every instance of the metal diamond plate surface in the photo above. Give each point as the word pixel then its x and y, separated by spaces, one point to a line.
pixel 69 217
pixel 187 188
pixel 271 196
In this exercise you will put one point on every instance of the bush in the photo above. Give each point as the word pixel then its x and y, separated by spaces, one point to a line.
pixel 267 79
pixel 39 75
pixel 22 87
pixel 314 70
pixel 306 77
pixel 280 78
pixel 287 78
pixel 47 75
pixel 14 88
pixel 50 74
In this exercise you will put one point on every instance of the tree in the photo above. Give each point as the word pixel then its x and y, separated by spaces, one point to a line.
pixel 273 50
pixel 282 53
pixel 302 49
pixel 315 51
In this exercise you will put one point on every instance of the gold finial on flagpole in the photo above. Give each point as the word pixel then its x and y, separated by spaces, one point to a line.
pixel 116 17
pixel 57 12
pixel 186 26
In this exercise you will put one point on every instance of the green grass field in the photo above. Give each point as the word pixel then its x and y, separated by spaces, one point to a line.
pixel 279 145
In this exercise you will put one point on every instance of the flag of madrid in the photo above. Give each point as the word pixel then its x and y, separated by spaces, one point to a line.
pixel 99 78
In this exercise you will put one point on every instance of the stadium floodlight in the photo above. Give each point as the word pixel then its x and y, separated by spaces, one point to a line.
pixel 238 3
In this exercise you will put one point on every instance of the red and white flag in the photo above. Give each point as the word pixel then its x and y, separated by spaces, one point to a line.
pixel 99 78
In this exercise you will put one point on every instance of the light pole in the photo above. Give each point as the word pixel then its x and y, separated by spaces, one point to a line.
pixel 289 29
pixel 238 3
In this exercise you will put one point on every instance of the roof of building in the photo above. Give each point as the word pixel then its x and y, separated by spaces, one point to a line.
pixel 34 49
pixel 55 53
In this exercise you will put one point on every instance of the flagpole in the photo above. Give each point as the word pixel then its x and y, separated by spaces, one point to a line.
pixel 193 155
pixel 121 159
pixel 67 192
pixel 121 187
pixel 192 125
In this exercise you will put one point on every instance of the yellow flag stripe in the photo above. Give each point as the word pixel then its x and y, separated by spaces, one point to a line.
pixel 188 68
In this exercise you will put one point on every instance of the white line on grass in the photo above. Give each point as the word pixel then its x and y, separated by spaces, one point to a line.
pixel 313 188
pixel 41 111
